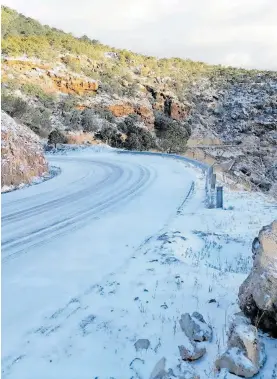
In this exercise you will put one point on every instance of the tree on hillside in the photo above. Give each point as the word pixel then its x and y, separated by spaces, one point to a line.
pixel 174 138
pixel 173 135
pixel 106 134
pixel 55 137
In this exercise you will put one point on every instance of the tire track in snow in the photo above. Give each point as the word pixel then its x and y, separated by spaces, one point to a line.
pixel 14 247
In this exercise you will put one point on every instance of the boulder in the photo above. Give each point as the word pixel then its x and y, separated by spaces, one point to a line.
pixel 245 354
pixel 195 327
pixel 258 293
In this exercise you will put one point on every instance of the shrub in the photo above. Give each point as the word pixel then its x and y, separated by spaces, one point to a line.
pixel 174 138
pixel 89 123
pixel 55 137
pixel 38 119
pixel 73 120
pixel 173 135
pixel 105 114
pixel 67 104
pixel 14 106
pixel 133 142
pixel 106 134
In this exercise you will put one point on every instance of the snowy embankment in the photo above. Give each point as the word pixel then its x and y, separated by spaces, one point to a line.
pixel 114 250
pixel 53 171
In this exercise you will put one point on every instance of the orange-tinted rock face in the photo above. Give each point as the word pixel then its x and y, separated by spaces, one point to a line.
pixel 120 110
pixel 167 104
pixel 179 111
pixel 71 85
pixel 125 109
pixel 147 115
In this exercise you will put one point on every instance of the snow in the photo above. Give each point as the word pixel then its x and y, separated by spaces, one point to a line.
pixel 114 250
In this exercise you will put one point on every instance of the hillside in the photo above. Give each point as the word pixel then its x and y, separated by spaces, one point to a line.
pixel 222 115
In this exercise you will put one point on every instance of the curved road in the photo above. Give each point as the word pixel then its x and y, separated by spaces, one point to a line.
pixel 62 237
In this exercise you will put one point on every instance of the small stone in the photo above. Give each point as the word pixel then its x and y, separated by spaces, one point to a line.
pixel 192 353
pixel 142 344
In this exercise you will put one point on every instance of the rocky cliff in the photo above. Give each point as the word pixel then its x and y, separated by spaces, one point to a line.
pixel 21 153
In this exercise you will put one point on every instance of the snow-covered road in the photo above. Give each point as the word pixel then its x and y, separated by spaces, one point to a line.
pixel 114 249
pixel 63 236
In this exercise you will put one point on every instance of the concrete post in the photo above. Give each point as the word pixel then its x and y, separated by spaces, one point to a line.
pixel 219 197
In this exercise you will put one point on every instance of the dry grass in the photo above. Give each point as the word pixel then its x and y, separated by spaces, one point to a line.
pixel 81 138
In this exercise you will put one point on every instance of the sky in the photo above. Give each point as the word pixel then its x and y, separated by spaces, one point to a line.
pixel 239 33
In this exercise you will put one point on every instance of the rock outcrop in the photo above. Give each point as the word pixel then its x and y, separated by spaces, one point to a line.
pixel 126 109
pixel 168 104
pixel 71 84
pixel 22 155
pixel 245 354
pixel 258 293
pixel 240 111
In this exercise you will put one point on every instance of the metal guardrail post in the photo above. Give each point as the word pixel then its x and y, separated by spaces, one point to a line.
pixel 213 181
pixel 219 197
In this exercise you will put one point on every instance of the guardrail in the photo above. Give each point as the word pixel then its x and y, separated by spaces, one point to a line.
pixel 214 195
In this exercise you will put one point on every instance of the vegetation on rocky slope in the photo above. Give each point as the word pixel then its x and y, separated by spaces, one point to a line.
pixel 53 80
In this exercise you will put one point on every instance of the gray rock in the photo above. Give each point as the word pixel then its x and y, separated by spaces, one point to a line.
pixel 195 327
pixel 192 352
pixel 258 293
pixel 245 354
pixel 159 371
pixel 236 363
pixel 142 344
